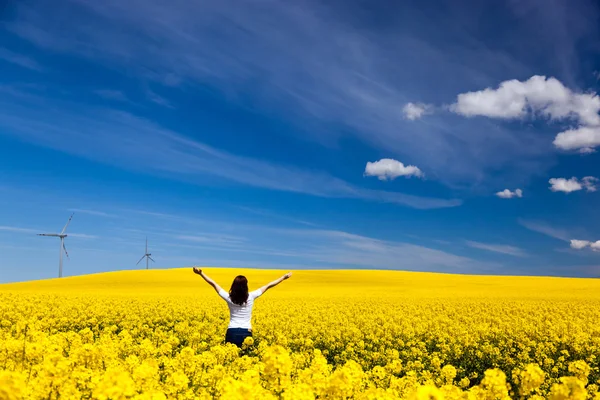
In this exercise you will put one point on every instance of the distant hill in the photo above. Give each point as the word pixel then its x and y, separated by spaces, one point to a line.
pixel 311 283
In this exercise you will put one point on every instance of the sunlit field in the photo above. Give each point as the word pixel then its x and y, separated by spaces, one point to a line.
pixel 321 334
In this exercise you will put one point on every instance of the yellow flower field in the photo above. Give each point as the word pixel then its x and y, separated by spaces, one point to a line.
pixel 321 334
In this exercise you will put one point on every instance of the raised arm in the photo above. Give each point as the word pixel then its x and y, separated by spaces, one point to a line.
pixel 274 283
pixel 207 279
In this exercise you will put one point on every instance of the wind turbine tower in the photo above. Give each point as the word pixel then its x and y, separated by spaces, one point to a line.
pixel 146 256
pixel 62 235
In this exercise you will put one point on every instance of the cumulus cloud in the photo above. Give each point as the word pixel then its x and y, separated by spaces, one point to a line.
pixel 507 194
pixel 589 182
pixel 582 244
pixel 573 184
pixel 584 138
pixel 579 244
pixel 539 96
pixel 587 150
pixel 388 168
pixel 414 111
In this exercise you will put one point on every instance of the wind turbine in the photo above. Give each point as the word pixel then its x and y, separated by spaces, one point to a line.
pixel 62 235
pixel 147 255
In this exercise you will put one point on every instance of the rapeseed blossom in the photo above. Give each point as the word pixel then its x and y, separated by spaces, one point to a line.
pixel 328 335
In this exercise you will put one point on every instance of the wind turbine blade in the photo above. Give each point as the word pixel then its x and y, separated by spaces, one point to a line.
pixel 151 259
pixel 48 234
pixel 65 248
pixel 65 228
pixel 140 260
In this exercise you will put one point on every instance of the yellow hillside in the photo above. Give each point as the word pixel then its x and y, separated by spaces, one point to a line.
pixel 159 334
pixel 309 283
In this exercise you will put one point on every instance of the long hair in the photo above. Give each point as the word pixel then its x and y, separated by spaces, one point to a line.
pixel 239 290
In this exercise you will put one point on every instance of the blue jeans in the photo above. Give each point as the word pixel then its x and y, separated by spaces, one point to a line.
pixel 237 336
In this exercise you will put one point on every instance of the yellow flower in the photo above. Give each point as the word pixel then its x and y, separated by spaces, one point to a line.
pixel 11 385
pixel 531 378
pixel 569 388
pixel 449 373
pixel 156 335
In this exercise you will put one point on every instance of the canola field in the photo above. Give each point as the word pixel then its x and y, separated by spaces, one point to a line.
pixel 159 334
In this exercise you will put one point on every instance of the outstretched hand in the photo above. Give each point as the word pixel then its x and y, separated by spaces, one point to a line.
pixel 287 276
pixel 198 271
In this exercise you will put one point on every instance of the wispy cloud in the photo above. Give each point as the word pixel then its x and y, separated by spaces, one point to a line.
pixel 219 239
pixel 157 214
pixel 82 236
pixel 17 229
pixel 308 247
pixel 270 214
pixel 158 99
pixel 498 248
pixel 92 212
pixel 344 248
pixel 350 79
pixel 110 94
pixel 134 143
pixel 413 111
pixel 545 229
pixel 19 59
pixel 245 249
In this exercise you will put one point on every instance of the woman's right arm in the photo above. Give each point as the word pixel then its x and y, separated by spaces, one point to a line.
pixel 208 280
pixel 275 283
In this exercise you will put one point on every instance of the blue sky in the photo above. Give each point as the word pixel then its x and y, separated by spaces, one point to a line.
pixel 433 135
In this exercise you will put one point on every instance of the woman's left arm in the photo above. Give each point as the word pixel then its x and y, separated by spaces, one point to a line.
pixel 275 283
pixel 208 280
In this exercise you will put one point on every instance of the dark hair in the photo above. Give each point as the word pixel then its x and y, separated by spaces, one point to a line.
pixel 239 290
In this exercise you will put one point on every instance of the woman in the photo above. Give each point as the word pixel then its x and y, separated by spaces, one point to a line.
pixel 240 304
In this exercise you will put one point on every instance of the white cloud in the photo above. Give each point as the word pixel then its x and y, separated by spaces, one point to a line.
pixel 91 212
pixel 498 248
pixel 579 244
pixel 133 143
pixel 345 248
pixel 19 60
pixel 220 239
pixel 388 168
pixel 573 184
pixel 111 94
pixel 17 229
pixel 584 138
pixel 158 99
pixel 565 185
pixel 507 194
pixel 258 60
pixel 82 236
pixel 414 111
pixel 545 229
pixel 589 182
pixel 538 95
